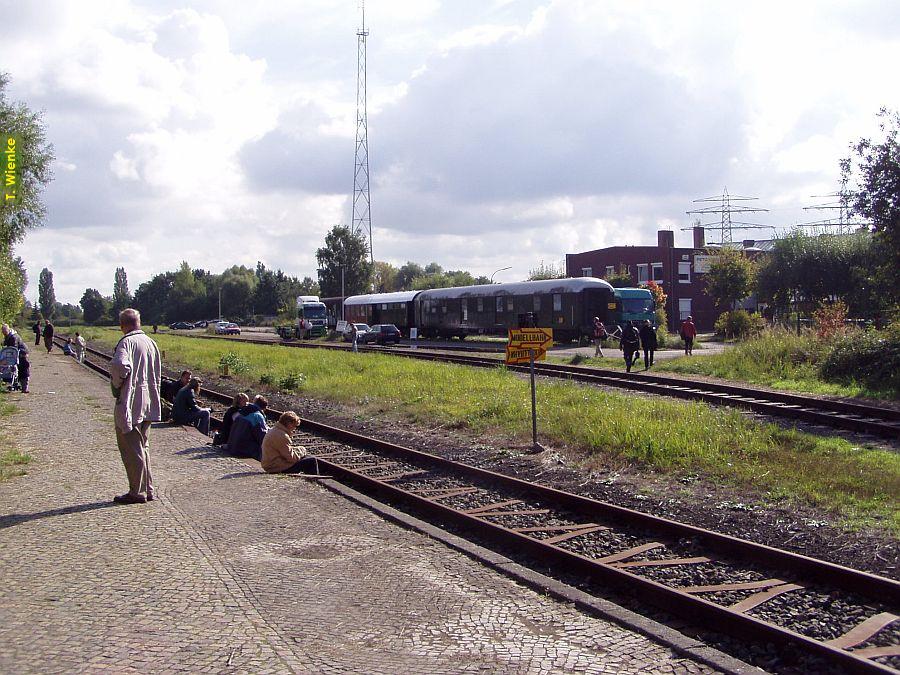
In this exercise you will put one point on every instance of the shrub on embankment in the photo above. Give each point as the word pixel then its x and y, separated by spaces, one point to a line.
pixel 850 362
pixel 612 430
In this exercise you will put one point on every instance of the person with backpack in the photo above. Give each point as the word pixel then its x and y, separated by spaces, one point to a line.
pixel 630 345
pixel 600 335
pixel 648 343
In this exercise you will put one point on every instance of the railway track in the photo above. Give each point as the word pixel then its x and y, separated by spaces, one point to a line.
pixel 841 618
pixel 857 417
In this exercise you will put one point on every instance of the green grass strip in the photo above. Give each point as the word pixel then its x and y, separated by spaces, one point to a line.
pixel 12 462
pixel 670 437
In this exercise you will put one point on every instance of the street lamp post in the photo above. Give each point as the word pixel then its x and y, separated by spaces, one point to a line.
pixel 220 303
pixel 500 270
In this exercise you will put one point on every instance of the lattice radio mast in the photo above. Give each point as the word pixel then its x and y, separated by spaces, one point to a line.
pixel 726 208
pixel 362 213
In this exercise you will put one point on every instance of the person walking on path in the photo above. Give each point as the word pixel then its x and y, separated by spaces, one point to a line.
pixel 37 332
pixel 630 344
pixel 648 343
pixel 135 374
pixel 186 410
pixel 688 333
pixel 48 336
pixel 600 335
pixel 12 339
pixel 79 347
pixel 278 455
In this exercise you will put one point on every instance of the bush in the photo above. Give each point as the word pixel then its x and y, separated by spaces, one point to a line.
pixel 867 356
pixel 739 324
pixel 292 381
pixel 829 319
pixel 234 362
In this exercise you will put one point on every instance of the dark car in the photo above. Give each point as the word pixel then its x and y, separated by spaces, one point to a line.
pixel 201 324
pixel 181 325
pixel 380 333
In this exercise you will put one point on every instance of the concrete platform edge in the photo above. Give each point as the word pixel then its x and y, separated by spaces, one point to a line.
pixel 669 637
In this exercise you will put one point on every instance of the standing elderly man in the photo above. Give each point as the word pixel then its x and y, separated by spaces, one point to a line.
pixel 135 377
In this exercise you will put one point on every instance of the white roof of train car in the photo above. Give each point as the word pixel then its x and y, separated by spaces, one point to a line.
pixel 380 298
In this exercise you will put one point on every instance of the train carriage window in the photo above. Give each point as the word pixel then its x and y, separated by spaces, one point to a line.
pixel 480 307
pixel 465 309
pixel 384 305
pixel 536 302
pixel 500 305
pixel 443 308
pixel 557 302
pixel 510 305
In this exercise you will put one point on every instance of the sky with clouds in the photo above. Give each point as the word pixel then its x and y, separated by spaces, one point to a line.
pixel 501 132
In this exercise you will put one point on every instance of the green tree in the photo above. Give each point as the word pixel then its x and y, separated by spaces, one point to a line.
pixel 265 299
pixel 407 273
pixel 188 294
pixel 817 269
pixel 94 305
pixel 730 277
pixel 549 271
pixel 385 277
pixel 876 195
pixel 27 210
pixel 238 288
pixel 121 297
pixel 151 298
pixel 46 294
pixel 348 252
pixel 12 281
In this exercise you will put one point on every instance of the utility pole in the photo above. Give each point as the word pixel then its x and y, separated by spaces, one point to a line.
pixel 362 214
pixel 725 208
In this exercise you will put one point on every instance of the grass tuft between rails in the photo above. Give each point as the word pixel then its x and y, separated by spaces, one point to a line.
pixel 670 437
pixel 12 462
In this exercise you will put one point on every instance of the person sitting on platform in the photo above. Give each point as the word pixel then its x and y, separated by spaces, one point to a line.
pixel 249 429
pixel 186 410
pixel 278 455
pixel 170 389
pixel 238 402
pixel 67 348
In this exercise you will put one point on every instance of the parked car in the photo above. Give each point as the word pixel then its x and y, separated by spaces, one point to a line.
pixel 181 325
pixel 360 329
pixel 382 334
pixel 201 324
pixel 232 329
pixel 221 326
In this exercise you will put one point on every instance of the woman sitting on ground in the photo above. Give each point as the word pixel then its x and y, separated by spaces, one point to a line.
pixel 278 455
pixel 238 402
pixel 186 410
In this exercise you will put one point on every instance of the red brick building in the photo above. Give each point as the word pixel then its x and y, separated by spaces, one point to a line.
pixel 680 272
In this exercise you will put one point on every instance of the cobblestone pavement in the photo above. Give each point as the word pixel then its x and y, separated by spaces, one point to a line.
pixel 232 570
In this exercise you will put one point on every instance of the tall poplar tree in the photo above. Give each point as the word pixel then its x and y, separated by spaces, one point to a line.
pixel 46 294
pixel 121 297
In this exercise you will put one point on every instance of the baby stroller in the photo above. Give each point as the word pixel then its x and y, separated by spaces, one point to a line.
pixel 9 367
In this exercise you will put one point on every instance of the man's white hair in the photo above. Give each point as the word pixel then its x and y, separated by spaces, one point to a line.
pixel 130 317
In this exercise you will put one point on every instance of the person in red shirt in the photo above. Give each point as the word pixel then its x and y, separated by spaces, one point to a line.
pixel 688 333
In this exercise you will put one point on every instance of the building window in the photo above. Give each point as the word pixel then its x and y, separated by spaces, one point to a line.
pixel 537 302
pixel 684 272
pixel 557 302
pixel 610 270
pixel 684 308
pixel 500 305
pixel 643 273
pixel 587 271
pixel 658 272
pixel 480 307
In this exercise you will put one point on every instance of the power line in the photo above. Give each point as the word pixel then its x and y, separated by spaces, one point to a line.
pixel 725 208
pixel 362 212
pixel 844 222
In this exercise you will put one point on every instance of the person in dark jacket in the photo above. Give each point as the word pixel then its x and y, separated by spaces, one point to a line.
pixel 12 339
pixel 170 389
pixel 238 402
pixel 630 345
pixel 186 411
pixel 249 429
pixel 37 333
pixel 688 333
pixel 648 343
pixel 48 336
